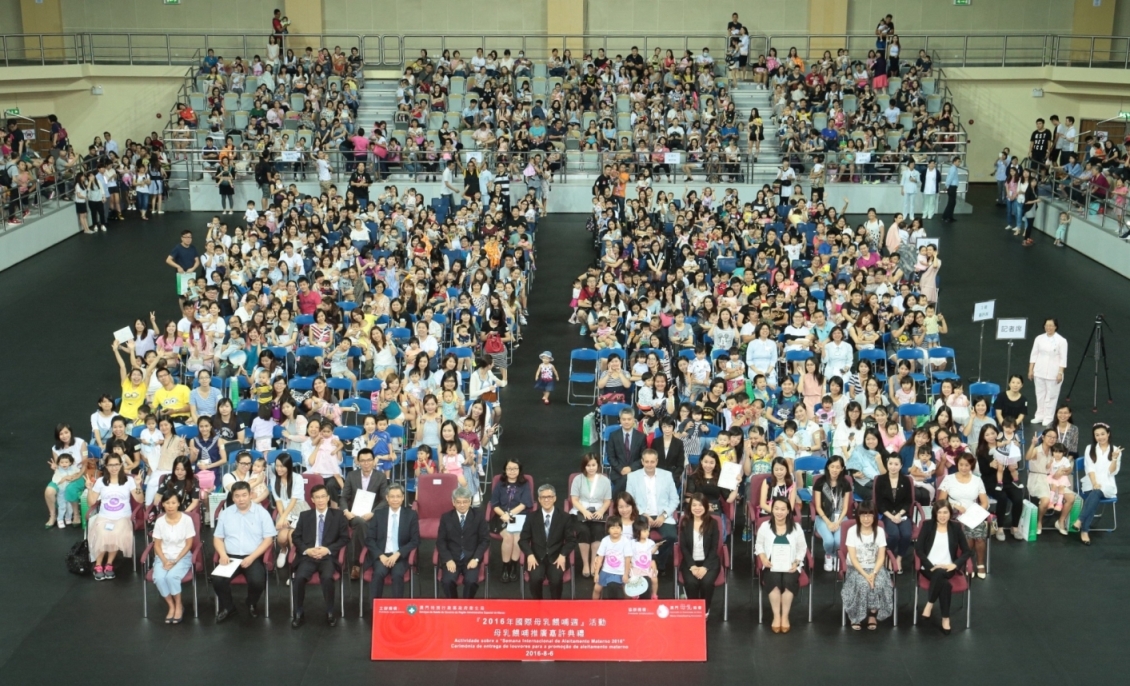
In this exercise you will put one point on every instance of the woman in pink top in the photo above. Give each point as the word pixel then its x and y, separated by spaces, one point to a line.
pixel 360 146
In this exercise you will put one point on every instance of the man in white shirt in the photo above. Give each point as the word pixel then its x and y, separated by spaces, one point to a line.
pixel 655 495
pixel 1045 368
pixel 1065 135
pixel 296 267
pixel 325 172
pixel 911 181
pixel 931 182
pixel 447 193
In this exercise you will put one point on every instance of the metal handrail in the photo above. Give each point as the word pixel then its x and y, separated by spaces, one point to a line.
pixel 394 50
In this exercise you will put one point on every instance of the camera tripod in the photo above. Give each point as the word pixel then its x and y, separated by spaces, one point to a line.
pixel 1096 337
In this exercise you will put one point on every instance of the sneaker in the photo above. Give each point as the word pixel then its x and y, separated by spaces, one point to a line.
pixel 1000 535
pixel 280 561
pixel 103 227
pixel 999 488
pixel 108 573
pixel 61 524
pixel 482 472
pixel 476 500
pixel 14 221
pixel 98 575
pixel 1019 536
pixel 747 535
pixel 828 563
pixel 1008 228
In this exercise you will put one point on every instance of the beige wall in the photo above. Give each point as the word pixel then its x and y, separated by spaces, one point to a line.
pixel 154 15
pixel 131 99
pixel 982 16
pixel 1004 113
pixel 433 17
pixel 702 16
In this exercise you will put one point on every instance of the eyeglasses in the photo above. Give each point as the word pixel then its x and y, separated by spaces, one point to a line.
pixel 547 497
pixel 243 463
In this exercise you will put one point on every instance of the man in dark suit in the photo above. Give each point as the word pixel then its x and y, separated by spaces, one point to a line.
pixel 625 446
pixel 389 553
pixel 366 478
pixel 462 541
pixel 672 452
pixel 319 536
pixel 547 539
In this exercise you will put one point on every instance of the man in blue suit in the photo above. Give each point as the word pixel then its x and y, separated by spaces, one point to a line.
pixel 655 495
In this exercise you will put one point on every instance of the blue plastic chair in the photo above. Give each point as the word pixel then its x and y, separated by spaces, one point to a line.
pixel 809 464
pixel 301 384
pixel 579 376
pixel 362 405
pixel 985 389
pixel 1080 472
pixel 944 354
pixel 187 432
pixel 369 386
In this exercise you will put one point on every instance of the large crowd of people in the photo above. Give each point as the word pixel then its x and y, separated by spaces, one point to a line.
pixel 764 371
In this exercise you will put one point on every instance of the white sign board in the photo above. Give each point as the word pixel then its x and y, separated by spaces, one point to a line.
pixel 983 312
pixel 289 156
pixel 1011 329
pixel 672 158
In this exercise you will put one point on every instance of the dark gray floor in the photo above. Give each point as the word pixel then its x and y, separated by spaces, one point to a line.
pixel 1050 611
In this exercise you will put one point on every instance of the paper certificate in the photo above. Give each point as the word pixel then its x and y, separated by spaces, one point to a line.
pixel 226 570
pixel 363 503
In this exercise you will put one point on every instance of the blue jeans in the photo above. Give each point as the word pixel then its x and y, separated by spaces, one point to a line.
pixel 1015 214
pixel 168 580
pixel 898 536
pixel 1090 506
pixel 830 538
pixel 143 202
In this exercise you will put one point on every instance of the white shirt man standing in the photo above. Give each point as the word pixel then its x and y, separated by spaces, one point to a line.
pixel 910 182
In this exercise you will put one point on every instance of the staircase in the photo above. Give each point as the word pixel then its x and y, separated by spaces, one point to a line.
pixel 378 103
pixel 746 96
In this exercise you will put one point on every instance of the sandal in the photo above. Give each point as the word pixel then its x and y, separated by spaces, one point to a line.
pixel 980 571
pixel 872 623
pixel 856 627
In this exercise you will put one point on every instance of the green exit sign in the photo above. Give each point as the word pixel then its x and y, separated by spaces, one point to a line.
pixel 1121 115
pixel 172 2
pixel 14 111
pixel 959 3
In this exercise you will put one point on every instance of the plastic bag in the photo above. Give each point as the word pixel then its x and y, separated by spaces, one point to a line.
pixel 588 429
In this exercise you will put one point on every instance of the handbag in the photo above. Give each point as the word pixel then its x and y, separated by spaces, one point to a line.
pixel 78 559
pixel 490 396
pixel 493 344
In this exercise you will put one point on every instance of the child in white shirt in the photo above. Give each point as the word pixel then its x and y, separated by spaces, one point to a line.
pixel 151 440
pixel 263 429
pixel 611 560
pixel 252 214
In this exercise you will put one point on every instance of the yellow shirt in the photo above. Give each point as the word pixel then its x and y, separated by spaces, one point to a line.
pixel 174 402
pixel 724 454
pixel 132 397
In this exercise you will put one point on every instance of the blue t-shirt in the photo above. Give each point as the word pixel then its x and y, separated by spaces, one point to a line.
pixel 184 257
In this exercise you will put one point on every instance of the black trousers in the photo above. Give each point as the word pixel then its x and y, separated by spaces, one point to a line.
pixel 940 590
pixel 951 202
pixel 97 212
pixel 377 587
pixel 699 588
pixel 360 531
pixel 470 580
pixel 1010 505
pixel 305 570
pixel 255 575
pixel 547 570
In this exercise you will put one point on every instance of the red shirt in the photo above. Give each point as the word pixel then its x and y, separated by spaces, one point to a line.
pixel 308 302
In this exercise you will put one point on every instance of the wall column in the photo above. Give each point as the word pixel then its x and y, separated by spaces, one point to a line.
pixel 564 25
pixel 1091 20
pixel 44 17
pixel 306 18
pixel 826 17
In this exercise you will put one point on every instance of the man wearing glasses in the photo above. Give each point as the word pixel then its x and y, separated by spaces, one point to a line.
pixel 547 541
pixel 370 479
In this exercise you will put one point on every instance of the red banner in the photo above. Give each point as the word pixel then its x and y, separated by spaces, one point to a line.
pixel 576 630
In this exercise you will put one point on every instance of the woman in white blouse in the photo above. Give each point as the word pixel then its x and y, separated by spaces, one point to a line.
pixel 942 552
pixel 1045 368
pixel 1101 463
pixel 781 549
pixel 964 490
pixel 838 355
pixel 172 544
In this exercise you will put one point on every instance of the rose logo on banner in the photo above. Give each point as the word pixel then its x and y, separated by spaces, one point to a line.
pixel 662 612
pixel 412 609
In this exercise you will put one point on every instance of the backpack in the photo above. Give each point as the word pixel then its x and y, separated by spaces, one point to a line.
pixel 78 559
